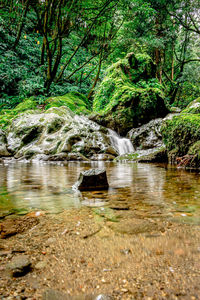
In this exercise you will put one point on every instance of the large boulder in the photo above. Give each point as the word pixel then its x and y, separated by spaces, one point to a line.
pixel 147 136
pixel 57 134
pixel 129 95
pixel 181 135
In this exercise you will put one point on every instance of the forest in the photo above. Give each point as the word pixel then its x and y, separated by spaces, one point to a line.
pixel 99 149
pixel 51 48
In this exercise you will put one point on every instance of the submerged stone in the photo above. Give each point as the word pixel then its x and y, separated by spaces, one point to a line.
pixel 20 265
pixel 93 179
pixel 57 295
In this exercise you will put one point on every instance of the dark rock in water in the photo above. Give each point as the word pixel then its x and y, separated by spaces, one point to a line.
pixel 93 179
pixel 20 265
pixel 57 295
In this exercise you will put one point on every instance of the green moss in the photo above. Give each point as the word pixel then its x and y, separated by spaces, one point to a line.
pixel 124 82
pixel 7 115
pixel 181 132
pixel 75 101
pixel 128 156
pixel 27 104
pixel 129 93
pixel 193 107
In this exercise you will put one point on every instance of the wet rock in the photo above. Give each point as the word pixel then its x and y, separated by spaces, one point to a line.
pixel 57 134
pixel 158 156
pixel 3 145
pixel 77 157
pixel 93 179
pixel 20 265
pixel 154 155
pixel 147 136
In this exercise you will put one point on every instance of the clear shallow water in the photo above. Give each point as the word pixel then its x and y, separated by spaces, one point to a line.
pixel 157 190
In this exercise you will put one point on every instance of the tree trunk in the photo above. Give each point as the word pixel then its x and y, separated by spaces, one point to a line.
pixel 22 24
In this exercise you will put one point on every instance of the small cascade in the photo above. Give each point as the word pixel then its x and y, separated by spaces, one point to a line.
pixel 122 145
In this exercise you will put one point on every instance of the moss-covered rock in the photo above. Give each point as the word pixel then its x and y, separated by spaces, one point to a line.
pixel 193 107
pixel 7 115
pixel 57 134
pixel 155 155
pixel 3 144
pixel 129 95
pixel 181 135
pixel 75 101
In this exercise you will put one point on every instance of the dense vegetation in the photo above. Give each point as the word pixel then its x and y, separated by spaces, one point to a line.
pixel 50 48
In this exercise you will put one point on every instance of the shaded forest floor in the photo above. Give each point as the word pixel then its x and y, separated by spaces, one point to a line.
pixel 79 253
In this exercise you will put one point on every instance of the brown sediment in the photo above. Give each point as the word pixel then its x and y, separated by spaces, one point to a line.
pixel 159 261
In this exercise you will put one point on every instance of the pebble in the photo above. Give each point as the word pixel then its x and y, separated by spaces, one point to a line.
pixel 40 265
pixel 19 265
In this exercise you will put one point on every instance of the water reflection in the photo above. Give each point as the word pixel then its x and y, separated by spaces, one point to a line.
pixel 139 186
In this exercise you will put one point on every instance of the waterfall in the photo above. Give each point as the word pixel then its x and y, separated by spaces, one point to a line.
pixel 122 145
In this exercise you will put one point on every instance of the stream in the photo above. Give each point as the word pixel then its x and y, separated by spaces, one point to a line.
pixel 154 189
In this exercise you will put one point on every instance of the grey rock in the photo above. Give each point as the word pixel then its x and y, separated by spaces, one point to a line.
pixel 57 134
pixel 147 136
pixel 20 265
pixel 3 145
pixel 93 179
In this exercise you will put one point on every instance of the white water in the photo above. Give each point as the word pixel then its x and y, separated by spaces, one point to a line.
pixel 122 145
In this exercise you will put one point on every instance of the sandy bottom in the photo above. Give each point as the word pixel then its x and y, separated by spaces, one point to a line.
pixel 81 252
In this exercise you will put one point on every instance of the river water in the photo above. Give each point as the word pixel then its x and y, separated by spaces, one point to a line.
pixel 157 190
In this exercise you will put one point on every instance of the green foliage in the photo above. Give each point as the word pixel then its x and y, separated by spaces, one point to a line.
pixel 7 115
pixel 124 83
pixel 181 132
pixel 75 101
